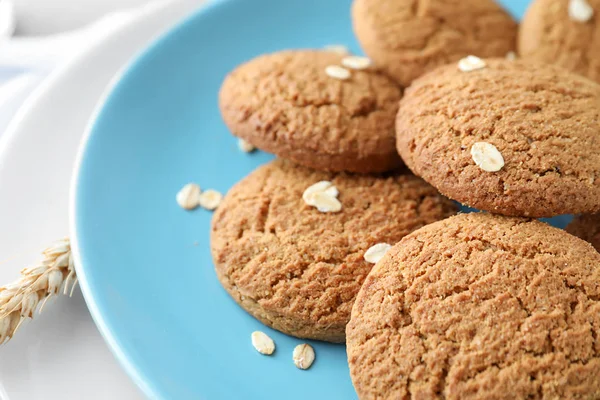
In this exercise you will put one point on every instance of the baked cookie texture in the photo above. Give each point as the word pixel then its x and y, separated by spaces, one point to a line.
pixel 586 227
pixel 543 120
pixel 548 34
pixel 407 38
pixel 298 270
pixel 286 104
pixel 479 306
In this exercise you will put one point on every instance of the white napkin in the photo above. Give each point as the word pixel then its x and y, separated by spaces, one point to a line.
pixel 25 61
pixel 47 51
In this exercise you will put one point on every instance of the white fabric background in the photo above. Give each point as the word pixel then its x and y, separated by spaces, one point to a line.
pixel 61 355
pixel 41 17
pixel 46 34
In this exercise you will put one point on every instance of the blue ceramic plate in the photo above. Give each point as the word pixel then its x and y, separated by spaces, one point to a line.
pixel 143 262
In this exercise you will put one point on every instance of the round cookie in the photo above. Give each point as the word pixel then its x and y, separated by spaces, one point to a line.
pixel 542 119
pixel 549 34
pixel 586 227
pixel 285 103
pixel 297 269
pixel 407 38
pixel 479 306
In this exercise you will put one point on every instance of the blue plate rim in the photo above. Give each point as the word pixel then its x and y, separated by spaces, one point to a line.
pixel 98 314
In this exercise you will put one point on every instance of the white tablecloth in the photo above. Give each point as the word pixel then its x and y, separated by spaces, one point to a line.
pixel 26 60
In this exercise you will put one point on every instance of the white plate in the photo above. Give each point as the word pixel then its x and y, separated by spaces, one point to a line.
pixel 60 355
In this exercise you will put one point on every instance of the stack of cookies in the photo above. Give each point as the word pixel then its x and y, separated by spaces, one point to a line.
pixel 289 241
pixel 348 235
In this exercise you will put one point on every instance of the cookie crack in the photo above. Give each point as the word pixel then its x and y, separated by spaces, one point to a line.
pixel 595 298
pixel 566 97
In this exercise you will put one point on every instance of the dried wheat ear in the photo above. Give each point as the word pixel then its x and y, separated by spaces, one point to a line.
pixel 19 300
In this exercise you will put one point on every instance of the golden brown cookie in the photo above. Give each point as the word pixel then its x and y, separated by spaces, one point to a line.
pixel 586 227
pixel 297 269
pixel 550 33
pixel 543 121
pixel 407 38
pixel 479 306
pixel 285 103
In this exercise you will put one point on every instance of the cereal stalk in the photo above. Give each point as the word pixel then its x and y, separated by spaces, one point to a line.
pixel 20 299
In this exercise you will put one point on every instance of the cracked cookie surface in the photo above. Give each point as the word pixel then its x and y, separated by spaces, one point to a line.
pixel 548 34
pixel 407 38
pixel 297 269
pixel 286 104
pixel 479 306
pixel 542 119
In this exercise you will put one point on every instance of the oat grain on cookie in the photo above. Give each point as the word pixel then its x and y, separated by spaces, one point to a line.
pixel 376 252
pixel 563 33
pixel 541 120
pixel 580 10
pixel 471 63
pixel 304 106
pixel 337 72
pixel 356 62
pixel 487 157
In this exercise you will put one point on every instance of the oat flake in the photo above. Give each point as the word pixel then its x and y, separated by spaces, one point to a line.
pixel 188 196
pixel 580 10
pixel 376 252
pixel 210 199
pixel 324 202
pixel 245 146
pixel 262 343
pixel 322 186
pixel 487 157
pixel 332 191
pixel 471 63
pixel 356 62
pixel 303 356
pixel 337 72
